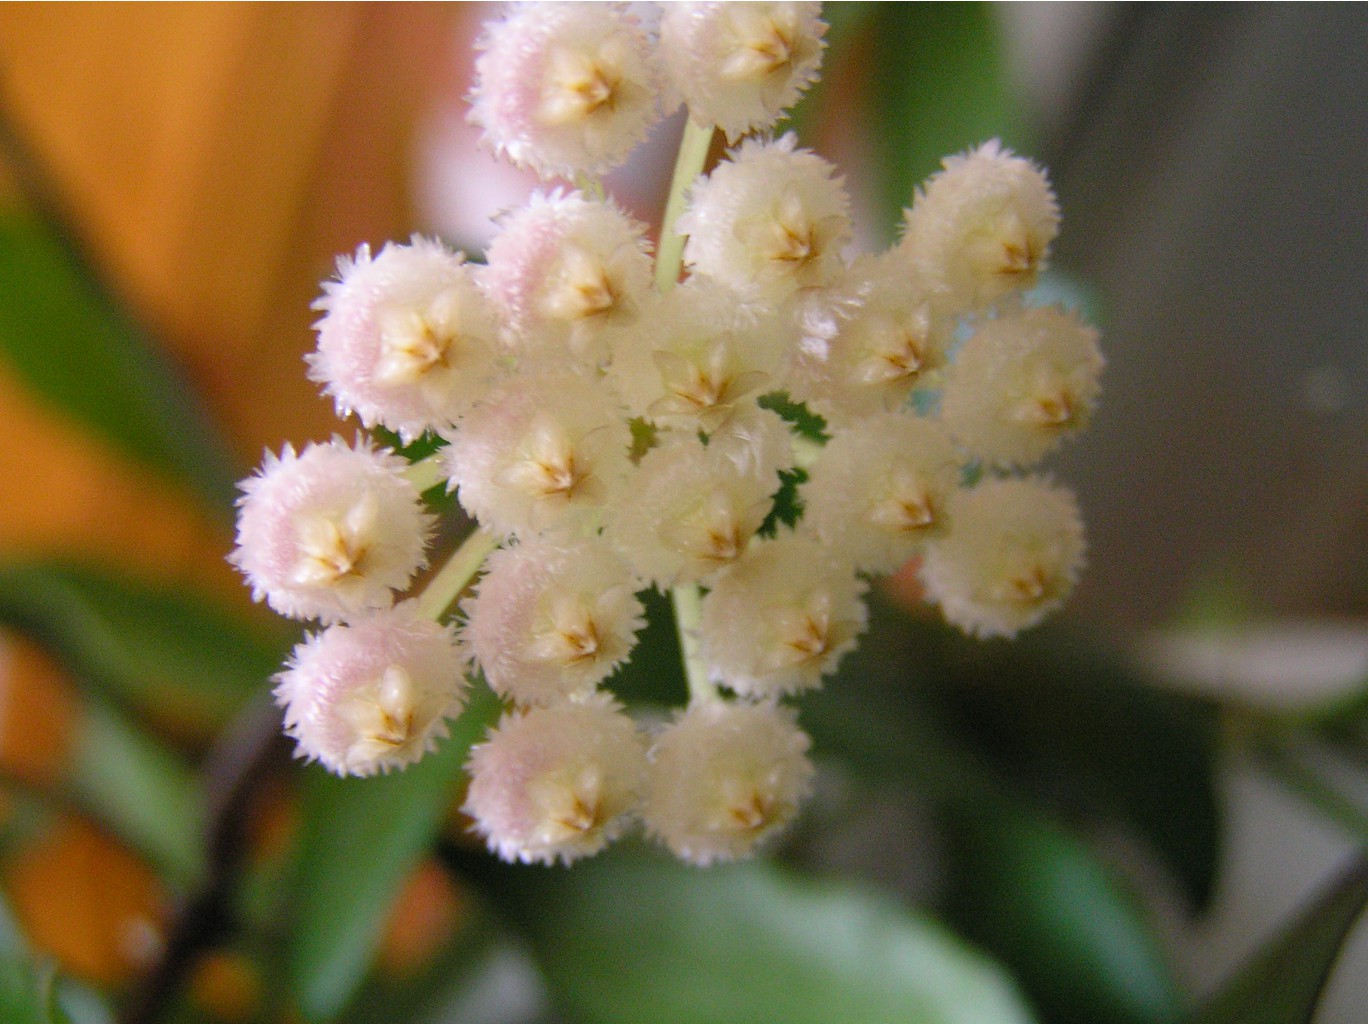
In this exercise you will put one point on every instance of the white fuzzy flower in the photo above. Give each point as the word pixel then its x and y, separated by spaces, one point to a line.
pixel 739 66
pixel 780 618
pixel 1021 383
pixel 880 488
pixel 1014 550
pixel 542 451
pixel 723 777
pixel 563 269
pixel 688 512
pixel 550 621
pixel 983 225
pixel 372 695
pixel 696 357
pixel 405 339
pixel 331 532
pixel 558 782
pixel 565 88
pixel 891 342
pixel 756 442
pixel 771 220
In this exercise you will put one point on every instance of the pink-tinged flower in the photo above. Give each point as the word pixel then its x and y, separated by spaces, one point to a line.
pixel 550 621
pixel 405 340
pixel 330 533
pixel 780 618
pixel 982 227
pixel 374 694
pixel 1014 550
pixel 565 88
pixel 565 270
pixel 556 783
pixel 739 66
pixel 724 777
pixel 543 452
pixel 1021 383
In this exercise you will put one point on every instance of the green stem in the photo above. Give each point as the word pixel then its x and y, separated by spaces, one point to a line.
pixel 1299 777
pixel 693 154
pixel 688 605
pixel 427 473
pixel 453 577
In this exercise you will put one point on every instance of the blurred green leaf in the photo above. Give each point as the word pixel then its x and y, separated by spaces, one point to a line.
pixel 1062 717
pixel 1050 715
pixel 28 993
pixel 1074 937
pixel 1284 981
pixel 29 986
pixel 476 977
pixel 631 936
pixel 935 84
pixel 361 838
pixel 126 780
pixel 71 344
pixel 167 653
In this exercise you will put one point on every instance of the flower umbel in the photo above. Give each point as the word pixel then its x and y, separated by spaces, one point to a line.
pixel 613 430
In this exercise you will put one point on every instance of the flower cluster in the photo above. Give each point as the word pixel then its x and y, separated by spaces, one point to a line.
pixel 612 429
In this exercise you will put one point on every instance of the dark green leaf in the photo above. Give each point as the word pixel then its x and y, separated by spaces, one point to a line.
pixel 467 981
pixel 70 343
pixel 361 838
pixel 1055 713
pixel 631 936
pixel 1074 937
pixel 1284 981
pixel 166 653
pixel 655 673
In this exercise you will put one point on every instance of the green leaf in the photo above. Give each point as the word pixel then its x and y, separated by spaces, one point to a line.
pixel 1284 981
pixel 28 993
pixel 30 989
pixel 361 838
pixel 1064 718
pixel 69 342
pixel 935 84
pixel 631 936
pixel 166 653
pixel 1073 936
pixel 137 788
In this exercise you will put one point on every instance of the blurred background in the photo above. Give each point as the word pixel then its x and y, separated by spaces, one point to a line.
pixel 211 161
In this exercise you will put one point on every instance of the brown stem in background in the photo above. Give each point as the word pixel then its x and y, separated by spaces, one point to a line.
pixel 248 752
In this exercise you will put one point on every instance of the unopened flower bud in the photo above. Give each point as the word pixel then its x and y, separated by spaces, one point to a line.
pixel 556 783
pixel 405 340
pixel 724 777
pixel 550 621
pixel 331 532
pixel 1014 550
pixel 982 227
pixel 739 66
pixel 374 694
pixel 1022 382
pixel 565 88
